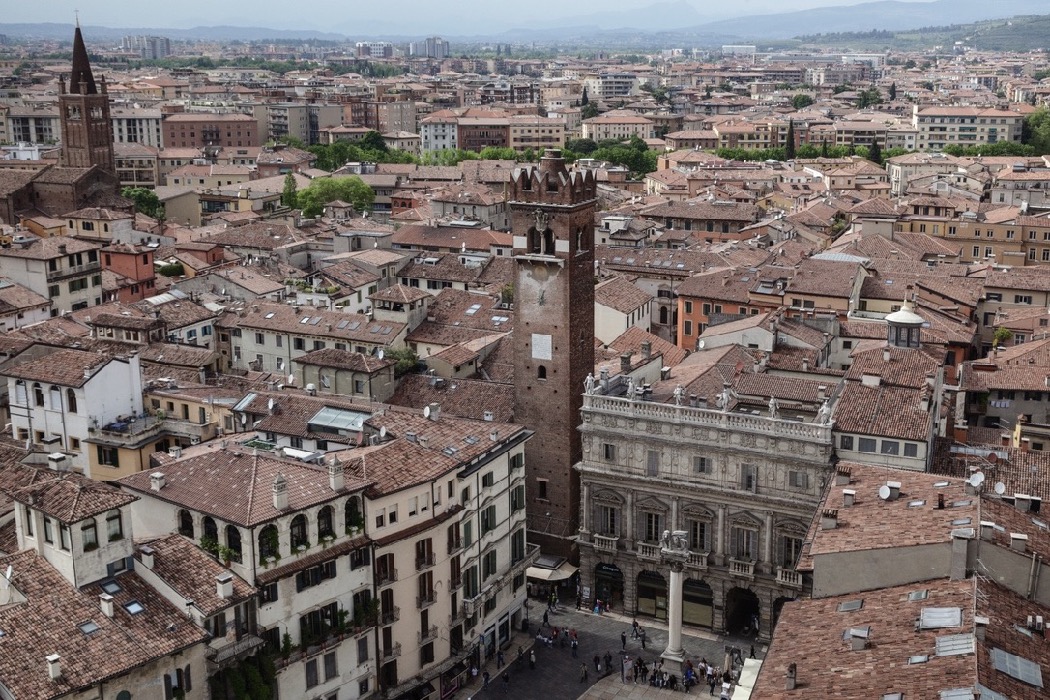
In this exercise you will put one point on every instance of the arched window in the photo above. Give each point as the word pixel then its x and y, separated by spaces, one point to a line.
pixel 352 515
pixel 185 524
pixel 541 372
pixel 71 401
pixel 124 695
pixel 21 398
pixel 269 544
pixel 233 542
pixel 54 397
pixel 211 530
pixel 325 525
pixel 663 315
pixel 38 394
pixel 298 531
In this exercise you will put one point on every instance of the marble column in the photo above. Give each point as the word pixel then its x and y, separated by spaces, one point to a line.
pixel 720 533
pixel 767 553
pixel 674 655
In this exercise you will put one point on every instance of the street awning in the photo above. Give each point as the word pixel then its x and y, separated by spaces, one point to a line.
pixel 566 570
pixel 748 675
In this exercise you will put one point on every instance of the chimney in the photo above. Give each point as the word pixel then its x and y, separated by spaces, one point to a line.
pixel 1026 444
pixel 435 410
pixel 895 489
pixel 849 496
pixel 625 362
pixel 280 492
pixel 146 555
pixel 961 432
pixel 805 364
pixel 105 602
pixel 54 666
pixel 489 416
pixel 792 673
pixel 1018 541
pixel 494 436
pixel 224 585
pixel 156 481
pixel 62 248
pixel 603 375
pixel 822 393
pixel 829 519
pixel 336 480
pixel 842 476
pixel 886 354
pixel 647 350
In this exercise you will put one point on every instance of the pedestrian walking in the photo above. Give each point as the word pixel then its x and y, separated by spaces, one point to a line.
pixel 752 651
pixel 546 622
pixel 608 662
pixel 583 673
pixel 642 635
pixel 485 678
pixel 574 644
pixel 624 665
pixel 597 663
pixel 506 682
pixel 634 628
pixel 623 640
pixel 499 659
pixel 579 601
pixel 532 659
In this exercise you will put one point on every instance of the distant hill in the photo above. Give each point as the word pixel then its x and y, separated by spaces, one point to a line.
pixel 1030 33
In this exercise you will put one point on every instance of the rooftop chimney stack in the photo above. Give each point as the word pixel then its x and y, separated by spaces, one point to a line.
pixel 156 481
pixel 336 480
pixel 54 666
pixel 146 555
pixel 224 585
pixel 647 350
pixel 829 519
pixel 792 674
pixel 842 476
pixel 280 493
pixel 625 362
pixel 435 411
pixel 849 497
pixel 105 601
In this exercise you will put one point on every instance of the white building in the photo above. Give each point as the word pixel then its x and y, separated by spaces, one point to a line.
pixel 65 270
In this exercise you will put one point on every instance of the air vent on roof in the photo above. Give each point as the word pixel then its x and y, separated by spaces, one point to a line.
pixel 850 605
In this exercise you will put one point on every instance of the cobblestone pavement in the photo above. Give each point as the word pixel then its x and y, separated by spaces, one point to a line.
pixel 557 673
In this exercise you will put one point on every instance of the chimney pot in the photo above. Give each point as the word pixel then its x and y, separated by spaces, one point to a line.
pixel 280 492
pixel 336 480
pixel 54 666
pixel 146 555
pixel 156 481
pixel 647 350
pixel 105 601
pixel 625 362
pixel 224 585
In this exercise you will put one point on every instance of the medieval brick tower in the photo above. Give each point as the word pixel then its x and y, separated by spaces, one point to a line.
pixel 87 133
pixel 552 218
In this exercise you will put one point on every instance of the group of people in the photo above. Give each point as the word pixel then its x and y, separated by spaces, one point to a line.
pixel 564 636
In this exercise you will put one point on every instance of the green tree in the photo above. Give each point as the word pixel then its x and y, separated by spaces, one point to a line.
pixel 801 101
pixel 1035 131
pixel 875 152
pixel 1002 336
pixel 582 146
pixel 146 200
pixel 405 358
pixel 584 99
pixel 789 146
pixel 823 148
pixel 893 91
pixel 288 196
pixel 373 141
pixel 589 111
pixel 328 189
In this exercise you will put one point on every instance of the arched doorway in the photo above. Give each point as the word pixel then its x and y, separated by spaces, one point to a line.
pixel 698 603
pixel 652 595
pixel 608 585
pixel 742 610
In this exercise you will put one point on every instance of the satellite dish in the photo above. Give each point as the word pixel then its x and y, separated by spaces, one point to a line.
pixel 382 431
pixel 1000 488
pixel 269 404
pixel 977 479
pixel 700 344
pixel 244 419
pixel 380 354
pixel 884 492
pixel 291 379
pixel 426 411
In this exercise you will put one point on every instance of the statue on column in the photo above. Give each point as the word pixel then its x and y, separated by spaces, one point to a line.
pixel 824 414
pixel 725 398
pixel 774 407
pixel 679 393
pixel 630 388
pixel 588 384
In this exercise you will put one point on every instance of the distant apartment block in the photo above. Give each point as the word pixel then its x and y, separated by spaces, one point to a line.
pixel 374 49
pixel 940 126
pixel 150 48
pixel 200 129
pixel 431 47
pixel 136 125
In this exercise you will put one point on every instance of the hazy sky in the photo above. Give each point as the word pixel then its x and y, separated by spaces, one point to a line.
pixel 342 16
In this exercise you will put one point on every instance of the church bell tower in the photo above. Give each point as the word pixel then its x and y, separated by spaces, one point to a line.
pixel 87 132
pixel 552 219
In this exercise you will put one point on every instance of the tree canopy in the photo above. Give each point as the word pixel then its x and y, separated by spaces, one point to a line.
pixel 328 189
pixel 146 200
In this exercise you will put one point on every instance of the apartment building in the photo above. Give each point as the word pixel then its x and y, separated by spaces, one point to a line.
pixel 450 550
pixel 200 129
pixel 940 126
pixel 291 529
pixel 618 124
pixel 136 125
pixel 65 270
pixel 538 133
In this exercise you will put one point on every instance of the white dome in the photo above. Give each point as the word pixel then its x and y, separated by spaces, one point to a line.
pixel 905 317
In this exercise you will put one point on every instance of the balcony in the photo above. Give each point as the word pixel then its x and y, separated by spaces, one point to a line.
pixel 455 581
pixel 425 600
pixel 605 543
pixel 222 652
pixel 428 635
pixel 74 271
pixel 697 560
pixel 385 577
pixel 472 605
pixel 455 545
pixel 743 568
pixel 424 562
pixel 392 651
pixel 789 577
pixel 390 615
pixel 650 552
pixel 128 433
